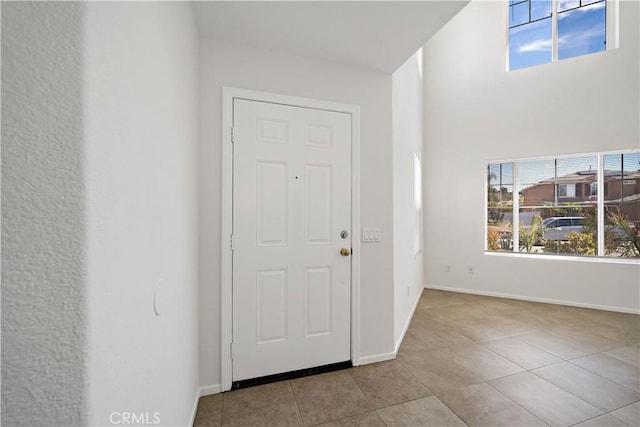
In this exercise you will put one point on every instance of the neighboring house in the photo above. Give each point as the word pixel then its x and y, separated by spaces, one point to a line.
pixel 620 190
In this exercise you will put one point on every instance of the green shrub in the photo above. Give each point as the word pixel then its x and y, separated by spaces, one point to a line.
pixel 582 243
pixel 624 237
pixel 530 234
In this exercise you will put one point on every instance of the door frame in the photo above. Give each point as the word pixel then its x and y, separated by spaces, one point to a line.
pixel 226 261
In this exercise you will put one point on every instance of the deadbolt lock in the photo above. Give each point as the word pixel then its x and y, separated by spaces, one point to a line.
pixel 345 252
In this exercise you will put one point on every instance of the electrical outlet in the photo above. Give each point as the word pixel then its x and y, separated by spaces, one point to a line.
pixel 448 269
pixel 470 269
pixel 408 291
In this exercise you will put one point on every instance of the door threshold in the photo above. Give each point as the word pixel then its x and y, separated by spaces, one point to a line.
pixel 252 382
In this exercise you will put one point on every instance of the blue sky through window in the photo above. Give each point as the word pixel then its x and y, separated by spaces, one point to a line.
pixel 629 162
pixel 581 30
pixel 530 44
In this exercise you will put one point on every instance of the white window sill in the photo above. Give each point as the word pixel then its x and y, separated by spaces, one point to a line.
pixel 597 259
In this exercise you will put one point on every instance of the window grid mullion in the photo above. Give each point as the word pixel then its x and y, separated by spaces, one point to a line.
pixel 515 222
pixel 555 182
pixel 581 5
pixel 600 210
pixel 554 30
pixel 531 22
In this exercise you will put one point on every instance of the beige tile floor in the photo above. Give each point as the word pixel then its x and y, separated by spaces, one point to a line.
pixel 467 360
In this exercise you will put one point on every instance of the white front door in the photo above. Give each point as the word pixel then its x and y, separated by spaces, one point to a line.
pixel 291 202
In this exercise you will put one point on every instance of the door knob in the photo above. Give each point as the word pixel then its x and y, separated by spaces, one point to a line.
pixel 345 252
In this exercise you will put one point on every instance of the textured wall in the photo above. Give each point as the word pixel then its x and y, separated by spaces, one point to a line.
pixel 43 220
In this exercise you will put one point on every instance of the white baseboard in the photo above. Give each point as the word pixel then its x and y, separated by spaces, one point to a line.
pixel 194 409
pixel 377 358
pixel 392 355
pixel 534 299
pixel 203 391
pixel 210 389
pixel 406 325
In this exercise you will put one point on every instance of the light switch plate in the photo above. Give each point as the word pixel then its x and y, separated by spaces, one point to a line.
pixel 370 235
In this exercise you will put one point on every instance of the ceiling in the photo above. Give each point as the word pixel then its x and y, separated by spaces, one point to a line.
pixel 379 35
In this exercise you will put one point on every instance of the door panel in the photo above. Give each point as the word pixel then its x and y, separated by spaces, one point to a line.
pixel 318 194
pixel 271 197
pixel 318 291
pixel 272 306
pixel 291 200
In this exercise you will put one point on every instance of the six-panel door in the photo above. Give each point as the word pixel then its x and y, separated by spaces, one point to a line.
pixel 291 202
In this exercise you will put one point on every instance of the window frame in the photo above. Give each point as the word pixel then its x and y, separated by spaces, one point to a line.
pixel 600 211
pixel 612 33
pixel 567 194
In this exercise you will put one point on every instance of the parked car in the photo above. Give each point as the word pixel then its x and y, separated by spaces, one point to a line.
pixel 559 227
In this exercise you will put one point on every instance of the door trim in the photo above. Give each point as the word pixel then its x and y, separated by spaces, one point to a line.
pixel 226 266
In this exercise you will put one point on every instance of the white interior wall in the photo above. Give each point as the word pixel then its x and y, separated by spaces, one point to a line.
pixel 235 65
pixel 407 142
pixel 44 320
pixel 141 115
pixel 476 111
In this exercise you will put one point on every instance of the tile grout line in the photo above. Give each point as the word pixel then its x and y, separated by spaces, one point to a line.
pixel 547 351
pixel 605 411
pixel 452 411
pixel 610 413
pixel 568 392
pixel 602 376
pixel 365 396
pixel 621 408
pixel 423 384
pixel 224 398
pixel 511 361
pixel 518 404
pixel 404 401
pixel 295 397
pixel 431 391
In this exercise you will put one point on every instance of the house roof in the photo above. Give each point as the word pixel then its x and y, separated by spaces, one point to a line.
pixel 587 177
pixel 571 178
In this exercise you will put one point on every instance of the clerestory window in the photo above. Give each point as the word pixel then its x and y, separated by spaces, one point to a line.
pixel 542 31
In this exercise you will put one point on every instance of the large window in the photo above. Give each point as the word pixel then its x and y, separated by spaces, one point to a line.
pixel 553 205
pixel 542 31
